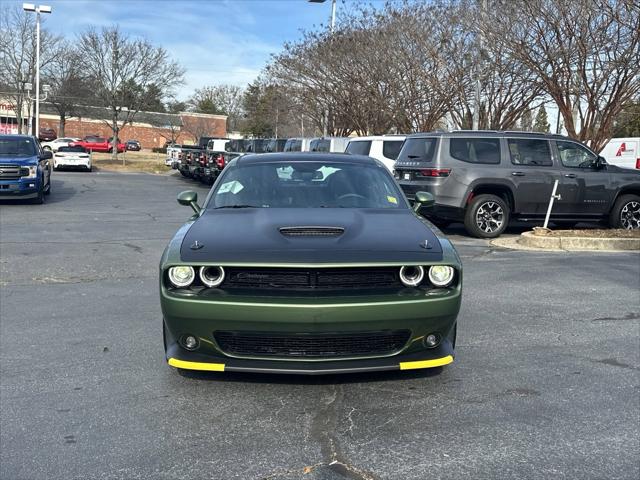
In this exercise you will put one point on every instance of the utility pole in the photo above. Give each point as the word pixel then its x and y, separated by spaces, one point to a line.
pixel 30 7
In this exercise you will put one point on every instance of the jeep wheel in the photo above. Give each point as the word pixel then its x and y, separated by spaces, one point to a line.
pixel 626 213
pixel 487 216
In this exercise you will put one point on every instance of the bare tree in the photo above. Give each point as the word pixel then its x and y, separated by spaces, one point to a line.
pixel 69 87
pixel 220 99
pixel 121 70
pixel 18 55
pixel 585 54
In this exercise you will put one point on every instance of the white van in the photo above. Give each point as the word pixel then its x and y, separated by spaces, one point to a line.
pixel 381 147
pixel 329 144
pixel 623 152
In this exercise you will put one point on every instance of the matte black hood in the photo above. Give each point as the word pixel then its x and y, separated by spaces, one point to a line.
pixel 252 235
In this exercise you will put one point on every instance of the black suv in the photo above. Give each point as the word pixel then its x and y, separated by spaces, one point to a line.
pixel 486 178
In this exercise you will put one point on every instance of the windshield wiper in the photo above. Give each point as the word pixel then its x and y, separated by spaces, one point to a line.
pixel 414 156
pixel 237 206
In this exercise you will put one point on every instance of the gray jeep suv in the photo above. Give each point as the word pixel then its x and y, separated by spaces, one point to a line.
pixel 487 178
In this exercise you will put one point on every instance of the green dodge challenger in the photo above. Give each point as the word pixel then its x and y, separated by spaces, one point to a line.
pixel 308 264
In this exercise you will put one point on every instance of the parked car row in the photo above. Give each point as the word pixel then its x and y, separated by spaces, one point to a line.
pixel 484 179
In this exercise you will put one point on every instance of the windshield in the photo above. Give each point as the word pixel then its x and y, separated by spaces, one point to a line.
pixel 17 147
pixel 291 184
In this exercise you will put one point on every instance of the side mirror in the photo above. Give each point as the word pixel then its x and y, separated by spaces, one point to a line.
pixel 601 162
pixel 46 155
pixel 423 200
pixel 189 198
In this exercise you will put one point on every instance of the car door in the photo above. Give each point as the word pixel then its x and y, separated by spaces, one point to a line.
pixel 585 183
pixel 532 173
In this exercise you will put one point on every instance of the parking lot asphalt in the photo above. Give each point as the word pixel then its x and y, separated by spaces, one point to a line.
pixel 546 382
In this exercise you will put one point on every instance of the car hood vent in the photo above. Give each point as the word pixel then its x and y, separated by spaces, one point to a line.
pixel 311 231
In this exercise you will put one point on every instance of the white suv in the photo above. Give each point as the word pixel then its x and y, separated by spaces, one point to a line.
pixel 382 147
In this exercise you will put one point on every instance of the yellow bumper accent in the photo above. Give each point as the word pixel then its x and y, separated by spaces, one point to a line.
pixel 212 367
pixel 436 362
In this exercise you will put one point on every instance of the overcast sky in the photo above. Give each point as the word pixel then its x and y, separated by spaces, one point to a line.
pixel 217 41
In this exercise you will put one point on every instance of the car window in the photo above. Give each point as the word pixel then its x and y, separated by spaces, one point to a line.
pixel 574 155
pixel 76 148
pixel 418 150
pixel 475 150
pixel 17 147
pixel 320 145
pixel 359 147
pixel 391 148
pixel 293 146
pixel 291 184
pixel 530 152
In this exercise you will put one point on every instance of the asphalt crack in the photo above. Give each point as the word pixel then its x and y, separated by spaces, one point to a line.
pixel 324 427
pixel 628 316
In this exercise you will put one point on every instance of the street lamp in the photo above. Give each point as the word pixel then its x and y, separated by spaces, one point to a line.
pixel 333 22
pixel 30 7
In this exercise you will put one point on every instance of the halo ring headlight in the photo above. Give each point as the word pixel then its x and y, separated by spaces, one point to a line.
pixel 212 276
pixel 411 275
pixel 182 275
pixel 441 275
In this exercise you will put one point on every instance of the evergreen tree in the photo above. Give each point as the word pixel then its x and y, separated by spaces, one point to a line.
pixel 542 122
pixel 526 121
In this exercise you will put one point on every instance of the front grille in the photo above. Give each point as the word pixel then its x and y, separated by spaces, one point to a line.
pixel 312 345
pixel 10 172
pixel 312 279
pixel 311 231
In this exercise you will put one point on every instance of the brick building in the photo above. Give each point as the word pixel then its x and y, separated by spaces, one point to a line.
pixel 151 129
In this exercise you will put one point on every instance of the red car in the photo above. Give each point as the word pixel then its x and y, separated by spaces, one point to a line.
pixel 93 143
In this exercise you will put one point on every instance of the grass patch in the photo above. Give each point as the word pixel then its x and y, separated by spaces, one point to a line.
pixel 592 233
pixel 142 161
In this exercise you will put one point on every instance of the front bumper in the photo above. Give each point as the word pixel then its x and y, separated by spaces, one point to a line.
pixel 437 357
pixel 202 315
pixel 22 189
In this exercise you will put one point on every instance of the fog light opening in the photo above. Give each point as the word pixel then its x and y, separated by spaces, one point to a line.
pixel 190 342
pixel 411 276
pixel 432 340
pixel 212 276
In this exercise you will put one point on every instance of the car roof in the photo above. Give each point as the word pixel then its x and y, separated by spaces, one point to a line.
pixel 486 133
pixel 16 136
pixel 378 137
pixel 306 157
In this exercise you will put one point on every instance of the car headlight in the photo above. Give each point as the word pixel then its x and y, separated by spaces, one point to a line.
pixel 441 275
pixel 212 276
pixel 411 276
pixel 33 172
pixel 181 276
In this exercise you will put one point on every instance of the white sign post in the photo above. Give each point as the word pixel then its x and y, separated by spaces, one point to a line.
pixel 551 200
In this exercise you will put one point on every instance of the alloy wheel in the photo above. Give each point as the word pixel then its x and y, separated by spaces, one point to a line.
pixel 630 215
pixel 489 217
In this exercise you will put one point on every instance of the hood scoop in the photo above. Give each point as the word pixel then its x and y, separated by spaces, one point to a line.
pixel 311 231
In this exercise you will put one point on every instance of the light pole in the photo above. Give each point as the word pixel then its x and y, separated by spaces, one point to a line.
pixel 325 130
pixel 30 7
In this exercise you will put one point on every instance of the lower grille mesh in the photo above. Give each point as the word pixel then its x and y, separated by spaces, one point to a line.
pixel 353 344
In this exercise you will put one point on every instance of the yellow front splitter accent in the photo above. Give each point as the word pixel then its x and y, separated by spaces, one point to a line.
pixel 436 362
pixel 212 367
pixel 219 367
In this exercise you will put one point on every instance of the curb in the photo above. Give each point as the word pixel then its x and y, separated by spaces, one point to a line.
pixel 529 241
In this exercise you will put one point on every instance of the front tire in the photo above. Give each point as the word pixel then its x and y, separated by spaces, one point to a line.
pixel 39 200
pixel 626 213
pixel 487 216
